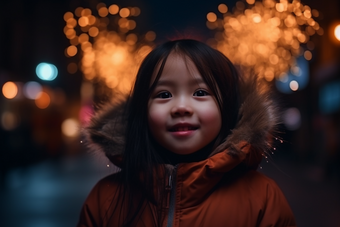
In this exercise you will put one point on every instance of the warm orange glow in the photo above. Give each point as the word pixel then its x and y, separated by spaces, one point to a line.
pixel 112 55
pixel 113 9
pixel 211 25
pixel 264 37
pixel 337 32
pixel 320 31
pixel 43 100
pixel 83 21
pixel 257 18
pixel 135 11
pixel 68 15
pixel 71 51
pixel 86 46
pixel 280 7
pixel 86 12
pixel 123 22
pixel 240 5
pixel 114 61
pixel 315 13
pixel 131 39
pixel 92 19
pixel 71 23
pixel 103 12
pixel 150 36
pixel 269 75
pixel 10 90
pixel 307 14
pixel 223 8
pixel 93 32
pixel 72 68
pixel 274 59
pixel 83 38
pixel 9 120
pixel 78 11
pixel 124 12
pixel 308 55
pixel 131 25
pixel 211 17
pixel 70 33
pixel 70 127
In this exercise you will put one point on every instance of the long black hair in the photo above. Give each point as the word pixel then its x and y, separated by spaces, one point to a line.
pixel 140 155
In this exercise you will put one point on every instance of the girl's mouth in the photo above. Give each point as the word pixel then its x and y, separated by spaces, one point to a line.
pixel 179 129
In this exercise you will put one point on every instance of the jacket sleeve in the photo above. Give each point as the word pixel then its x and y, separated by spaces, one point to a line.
pixel 277 212
pixel 94 212
pixel 90 212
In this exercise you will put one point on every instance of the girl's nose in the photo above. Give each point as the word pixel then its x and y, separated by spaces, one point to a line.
pixel 182 109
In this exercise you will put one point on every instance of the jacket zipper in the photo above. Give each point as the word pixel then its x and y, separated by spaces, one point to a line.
pixel 172 187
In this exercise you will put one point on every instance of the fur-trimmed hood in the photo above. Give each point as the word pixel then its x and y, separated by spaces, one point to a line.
pixel 258 118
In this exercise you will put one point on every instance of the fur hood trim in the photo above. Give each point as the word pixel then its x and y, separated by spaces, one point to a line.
pixel 258 119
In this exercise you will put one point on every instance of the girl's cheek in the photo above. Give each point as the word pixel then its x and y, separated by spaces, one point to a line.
pixel 156 116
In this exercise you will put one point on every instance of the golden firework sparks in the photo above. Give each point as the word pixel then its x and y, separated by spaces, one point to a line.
pixel 108 47
pixel 264 37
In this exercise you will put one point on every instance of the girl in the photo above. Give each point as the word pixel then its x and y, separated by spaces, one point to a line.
pixel 188 141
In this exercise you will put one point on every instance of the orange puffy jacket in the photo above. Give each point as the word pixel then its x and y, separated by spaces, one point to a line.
pixel 206 193
pixel 222 190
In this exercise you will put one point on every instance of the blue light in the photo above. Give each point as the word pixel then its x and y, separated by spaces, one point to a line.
pixel 329 98
pixel 46 71
pixel 300 75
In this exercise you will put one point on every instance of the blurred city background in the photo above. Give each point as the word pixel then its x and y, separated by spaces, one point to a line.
pixel 60 59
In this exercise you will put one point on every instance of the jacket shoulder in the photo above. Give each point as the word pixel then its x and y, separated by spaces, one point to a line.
pixel 275 208
pixel 97 203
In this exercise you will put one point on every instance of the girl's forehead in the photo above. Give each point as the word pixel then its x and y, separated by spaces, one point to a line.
pixel 176 63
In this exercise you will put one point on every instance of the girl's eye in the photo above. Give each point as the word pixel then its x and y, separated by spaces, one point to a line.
pixel 201 93
pixel 164 95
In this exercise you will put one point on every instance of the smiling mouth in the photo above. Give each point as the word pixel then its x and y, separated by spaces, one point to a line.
pixel 183 129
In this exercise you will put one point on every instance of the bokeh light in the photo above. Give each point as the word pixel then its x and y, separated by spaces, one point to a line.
pixel 43 100
pixel 329 97
pixel 294 85
pixel 298 73
pixel 32 90
pixel 71 50
pixel 113 9
pixel 292 118
pixel 9 120
pixel 223 8
pixel 9 90
pixel 70 127
pixel 109 49
pixel 72 68
pixel 46 71
pixel 264 37
pixel 337 32
pixel 211 17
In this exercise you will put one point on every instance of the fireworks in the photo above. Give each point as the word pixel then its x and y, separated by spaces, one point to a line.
pixel 110 51
pixel 264 37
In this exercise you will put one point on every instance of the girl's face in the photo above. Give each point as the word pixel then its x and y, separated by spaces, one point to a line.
pixel 183 115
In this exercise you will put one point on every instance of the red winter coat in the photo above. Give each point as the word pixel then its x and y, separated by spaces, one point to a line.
pixel 222 190
pixel 207 193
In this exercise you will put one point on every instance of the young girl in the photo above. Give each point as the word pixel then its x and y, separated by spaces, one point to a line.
pixel 188 141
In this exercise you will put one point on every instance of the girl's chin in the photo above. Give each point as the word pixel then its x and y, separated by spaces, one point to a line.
pixel 183 151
